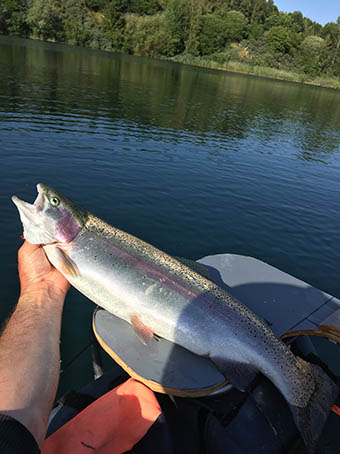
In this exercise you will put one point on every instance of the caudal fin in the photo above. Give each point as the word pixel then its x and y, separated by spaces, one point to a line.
pixel 310 420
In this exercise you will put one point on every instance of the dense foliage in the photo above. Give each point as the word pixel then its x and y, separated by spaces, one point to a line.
pixel 251 32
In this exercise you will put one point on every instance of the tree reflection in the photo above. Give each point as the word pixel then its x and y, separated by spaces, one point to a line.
pixel 47 79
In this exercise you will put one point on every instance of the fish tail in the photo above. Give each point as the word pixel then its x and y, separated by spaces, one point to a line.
pixel 310 420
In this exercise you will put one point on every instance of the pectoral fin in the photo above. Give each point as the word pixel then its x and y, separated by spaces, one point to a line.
pixel 67 266
pixel 143 332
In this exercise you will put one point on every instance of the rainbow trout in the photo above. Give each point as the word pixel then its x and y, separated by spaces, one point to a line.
pixel 159 295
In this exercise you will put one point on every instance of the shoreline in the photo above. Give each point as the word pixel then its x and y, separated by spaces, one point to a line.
pixel 331 83
pixel 201 62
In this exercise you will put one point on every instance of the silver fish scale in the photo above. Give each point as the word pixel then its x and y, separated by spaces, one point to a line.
pixel 180 305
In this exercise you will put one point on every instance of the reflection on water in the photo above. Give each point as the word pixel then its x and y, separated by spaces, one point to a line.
pixel 193 160
pixel 72 89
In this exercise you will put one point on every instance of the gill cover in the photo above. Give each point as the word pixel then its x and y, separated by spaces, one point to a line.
pixel 51 218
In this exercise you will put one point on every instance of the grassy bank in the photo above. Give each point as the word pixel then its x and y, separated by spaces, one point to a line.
pixel 263 71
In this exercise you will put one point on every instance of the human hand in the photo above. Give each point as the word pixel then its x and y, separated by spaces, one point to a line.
pixel 37 274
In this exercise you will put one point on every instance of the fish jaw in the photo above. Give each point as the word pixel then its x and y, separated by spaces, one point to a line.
pixel 32 221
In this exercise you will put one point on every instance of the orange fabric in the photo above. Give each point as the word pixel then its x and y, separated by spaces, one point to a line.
pixel 336 410
pixel 112 424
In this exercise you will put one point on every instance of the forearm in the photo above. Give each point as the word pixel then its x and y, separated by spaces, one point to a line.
pixel 30 360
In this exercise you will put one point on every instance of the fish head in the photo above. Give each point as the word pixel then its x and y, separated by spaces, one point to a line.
pixel 51 218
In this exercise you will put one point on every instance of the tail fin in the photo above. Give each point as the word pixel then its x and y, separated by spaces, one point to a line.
pixel 310 420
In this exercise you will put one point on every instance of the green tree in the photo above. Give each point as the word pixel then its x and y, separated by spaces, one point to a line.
pixel 213 34
pixel 311 28
pixel 4 15
pixel 192 44
pixel 269 10
pixel 281 39
pixel 44 19
pixel 254 31
pixel 277 20
pixel 81 26
pixel 258 9
pixel 219 7
pixel 95 5
pixel 12 17
pixel 255 11
pixel 311 49
pixel 235 23
pixel 298 21
pixel 113 24
pixel 146 35
pixel 331 57
pixel 195 10
pixel 141 7
pixel 177 23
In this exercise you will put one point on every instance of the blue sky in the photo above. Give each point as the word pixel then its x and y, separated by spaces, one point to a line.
pixel 322 12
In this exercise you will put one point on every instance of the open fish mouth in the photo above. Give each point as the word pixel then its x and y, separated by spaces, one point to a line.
pixel 36 224
pixel 28 211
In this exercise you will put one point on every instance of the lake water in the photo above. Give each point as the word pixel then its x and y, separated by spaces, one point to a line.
pixel 194 161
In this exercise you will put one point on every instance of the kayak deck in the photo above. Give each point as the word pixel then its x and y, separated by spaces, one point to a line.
pixel 287 303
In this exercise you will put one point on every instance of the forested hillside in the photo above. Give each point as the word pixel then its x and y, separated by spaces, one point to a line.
pixel 246 35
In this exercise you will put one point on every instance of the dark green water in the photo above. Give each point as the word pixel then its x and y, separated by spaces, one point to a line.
pixel 195 161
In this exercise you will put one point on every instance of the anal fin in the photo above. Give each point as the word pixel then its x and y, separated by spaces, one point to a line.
pixel 143 332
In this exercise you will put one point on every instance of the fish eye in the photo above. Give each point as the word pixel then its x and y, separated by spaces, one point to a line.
pixel 54 201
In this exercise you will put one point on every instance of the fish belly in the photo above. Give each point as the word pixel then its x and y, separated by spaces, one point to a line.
pixel 126 284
